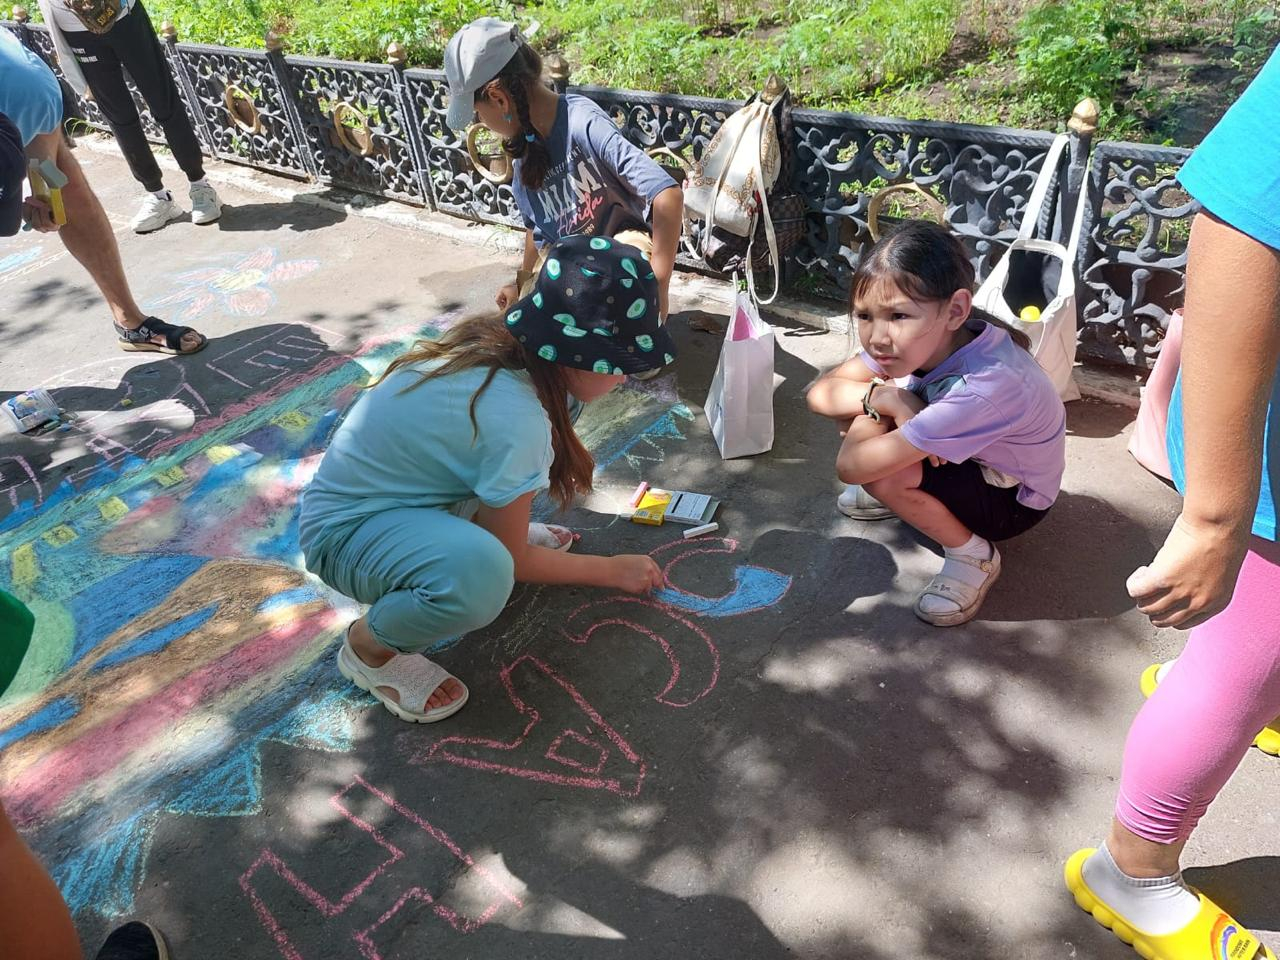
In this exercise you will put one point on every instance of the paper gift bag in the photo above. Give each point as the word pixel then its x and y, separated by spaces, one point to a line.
pixel 740 403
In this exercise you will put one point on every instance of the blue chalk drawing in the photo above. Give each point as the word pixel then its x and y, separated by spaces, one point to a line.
pixel 754 589
pixel 45 718
pixel 155 640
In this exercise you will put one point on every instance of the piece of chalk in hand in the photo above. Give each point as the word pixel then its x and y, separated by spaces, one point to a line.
pixel 699 531
pixel 639 494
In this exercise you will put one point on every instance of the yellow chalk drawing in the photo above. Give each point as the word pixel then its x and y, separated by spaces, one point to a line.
pixel 292 420
pixel 59 536
pixel 174 475
pixel 221 453
pixel 25 568
pixel 113 509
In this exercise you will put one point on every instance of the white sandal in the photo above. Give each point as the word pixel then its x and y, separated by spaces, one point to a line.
pixel 967 597
pixel 411 675
pixel 552 536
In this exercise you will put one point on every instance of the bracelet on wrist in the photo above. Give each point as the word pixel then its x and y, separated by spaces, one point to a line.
pixel 867 408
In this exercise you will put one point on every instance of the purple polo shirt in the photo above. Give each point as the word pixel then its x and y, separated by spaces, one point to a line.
pixel 990 402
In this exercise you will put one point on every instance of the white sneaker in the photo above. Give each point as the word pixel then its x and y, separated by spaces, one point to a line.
pixel 857 504
pixel 205 205
pixel 154 214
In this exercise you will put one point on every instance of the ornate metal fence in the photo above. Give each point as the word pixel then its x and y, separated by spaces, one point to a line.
pixel 379 129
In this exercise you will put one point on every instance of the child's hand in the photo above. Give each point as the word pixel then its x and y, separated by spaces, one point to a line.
pixel 507 296
pixel 37 214
pixel 634 573
pixel 895 403
pixel 1193 576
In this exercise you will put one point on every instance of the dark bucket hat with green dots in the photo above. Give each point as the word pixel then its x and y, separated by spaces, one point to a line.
pixel 594 307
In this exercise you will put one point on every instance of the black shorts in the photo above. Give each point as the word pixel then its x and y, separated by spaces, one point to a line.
pixel 993 513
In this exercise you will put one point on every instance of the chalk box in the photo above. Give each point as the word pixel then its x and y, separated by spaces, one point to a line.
pixel 679 506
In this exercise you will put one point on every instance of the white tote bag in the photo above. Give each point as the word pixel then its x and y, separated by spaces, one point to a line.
pixel 740 403
pixel 1041 273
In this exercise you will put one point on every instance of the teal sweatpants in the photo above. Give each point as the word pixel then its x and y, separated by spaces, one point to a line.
pixel 427 574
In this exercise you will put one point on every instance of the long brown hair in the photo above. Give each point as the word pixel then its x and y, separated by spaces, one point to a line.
pixel 927 263
pixel 485 342
pixel 522 71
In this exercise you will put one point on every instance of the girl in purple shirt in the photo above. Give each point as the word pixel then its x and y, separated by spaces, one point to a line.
pixel 947 419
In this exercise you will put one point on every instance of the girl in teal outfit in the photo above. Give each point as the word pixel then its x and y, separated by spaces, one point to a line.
pixel 420 507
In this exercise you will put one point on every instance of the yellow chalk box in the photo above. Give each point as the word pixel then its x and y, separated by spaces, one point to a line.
pixel 652 507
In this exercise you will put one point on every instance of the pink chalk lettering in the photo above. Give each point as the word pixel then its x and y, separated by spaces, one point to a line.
pixel 330 908
pixel 694 642
pixel 532 754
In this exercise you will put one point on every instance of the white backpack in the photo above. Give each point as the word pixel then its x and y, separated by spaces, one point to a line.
pixel 728 185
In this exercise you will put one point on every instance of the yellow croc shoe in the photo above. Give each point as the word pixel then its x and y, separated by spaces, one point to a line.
pixel 1211 935
pixel 1268 741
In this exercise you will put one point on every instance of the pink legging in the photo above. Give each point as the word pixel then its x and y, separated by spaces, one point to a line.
pixel 1188 739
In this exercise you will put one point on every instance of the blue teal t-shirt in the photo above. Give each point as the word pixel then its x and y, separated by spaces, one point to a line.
pixel 418 448
pixel 30 95
pixel 599 182
pixel 1235 174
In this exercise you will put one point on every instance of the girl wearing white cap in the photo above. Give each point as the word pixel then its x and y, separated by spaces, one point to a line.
pixel 574 171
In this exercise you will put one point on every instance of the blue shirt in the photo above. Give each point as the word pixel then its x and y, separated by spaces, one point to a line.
pixel 599 182
pixel 30 95
pixel 417 447
pixel 1235 174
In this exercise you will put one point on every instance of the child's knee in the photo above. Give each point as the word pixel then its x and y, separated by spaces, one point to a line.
pixel 484 579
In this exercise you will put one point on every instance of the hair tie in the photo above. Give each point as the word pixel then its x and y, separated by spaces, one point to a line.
pixel 530 137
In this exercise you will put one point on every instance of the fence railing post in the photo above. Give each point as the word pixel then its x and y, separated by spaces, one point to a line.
pixel 399 59
pixel 274 42
pixel 1081 127
pixel 21 17
pixel 186 84
pixel 558 70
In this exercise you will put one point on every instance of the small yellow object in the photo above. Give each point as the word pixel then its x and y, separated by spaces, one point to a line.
pixel 174 475
pixel 126 402
pixel 652 508
pixel 113 509
pixel 59 536
pixel 47 182
pixel 221 453
pixel 1030 314
pixel 292 420
pixel 25 568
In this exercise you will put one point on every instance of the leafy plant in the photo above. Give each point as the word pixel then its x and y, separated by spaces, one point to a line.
pixel 1078 48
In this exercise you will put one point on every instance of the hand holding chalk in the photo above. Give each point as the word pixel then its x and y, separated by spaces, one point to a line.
pixel 634 573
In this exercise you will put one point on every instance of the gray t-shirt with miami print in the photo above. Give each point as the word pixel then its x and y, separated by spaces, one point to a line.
pixel 599 183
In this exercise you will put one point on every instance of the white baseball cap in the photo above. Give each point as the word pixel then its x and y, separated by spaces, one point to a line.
pixel 475 55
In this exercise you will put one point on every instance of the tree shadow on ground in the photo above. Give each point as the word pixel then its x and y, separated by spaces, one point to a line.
pixel 298 216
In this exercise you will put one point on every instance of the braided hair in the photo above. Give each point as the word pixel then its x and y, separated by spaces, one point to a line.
pixel 522 71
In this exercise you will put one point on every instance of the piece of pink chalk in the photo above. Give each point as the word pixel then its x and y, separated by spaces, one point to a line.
pixel 640 492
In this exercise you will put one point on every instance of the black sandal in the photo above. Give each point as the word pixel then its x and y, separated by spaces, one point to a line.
pixel 140 340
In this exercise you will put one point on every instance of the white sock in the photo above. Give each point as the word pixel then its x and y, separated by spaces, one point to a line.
pixel 203 181
pixel 162 194
pixel 975 548
pixel 1159 906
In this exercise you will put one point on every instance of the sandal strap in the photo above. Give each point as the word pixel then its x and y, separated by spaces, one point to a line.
pixel 410 675
pixel 949 588
pixel 150 328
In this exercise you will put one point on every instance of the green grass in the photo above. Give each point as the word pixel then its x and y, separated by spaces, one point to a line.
pixel 1010 62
